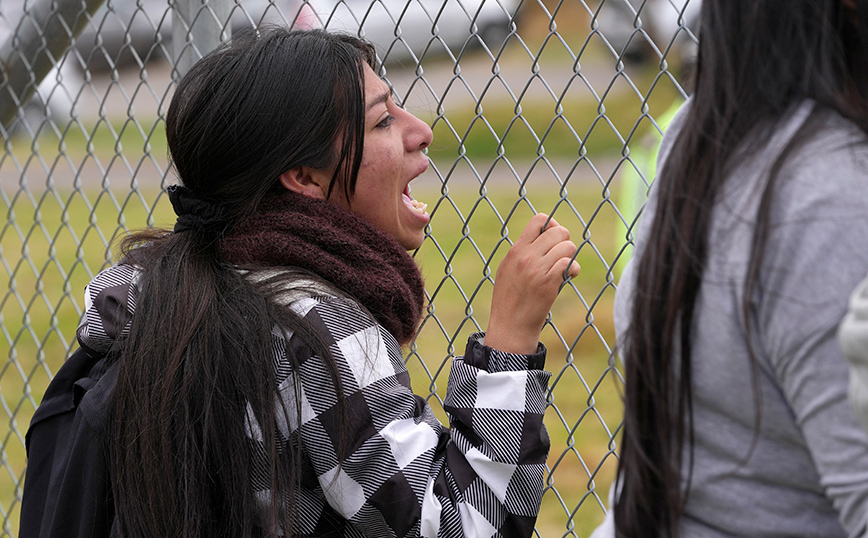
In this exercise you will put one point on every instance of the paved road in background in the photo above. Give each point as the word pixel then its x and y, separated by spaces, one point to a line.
pixel 437 85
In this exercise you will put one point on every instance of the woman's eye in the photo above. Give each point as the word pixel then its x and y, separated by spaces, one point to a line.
pixel 387 121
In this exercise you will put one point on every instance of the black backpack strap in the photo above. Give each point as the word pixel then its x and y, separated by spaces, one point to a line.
pixel 67 488
pixel 60 397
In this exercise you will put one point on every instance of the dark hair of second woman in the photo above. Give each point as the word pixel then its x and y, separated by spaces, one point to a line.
pixel 757 60
pixel 199 351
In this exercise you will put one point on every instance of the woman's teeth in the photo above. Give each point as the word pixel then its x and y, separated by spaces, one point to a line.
pixel 418 206
pixel 415 205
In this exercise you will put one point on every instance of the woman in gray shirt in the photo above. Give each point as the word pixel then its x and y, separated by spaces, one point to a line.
pixel 736 414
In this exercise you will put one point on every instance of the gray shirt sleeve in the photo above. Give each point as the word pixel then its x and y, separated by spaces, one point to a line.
pixel 816 255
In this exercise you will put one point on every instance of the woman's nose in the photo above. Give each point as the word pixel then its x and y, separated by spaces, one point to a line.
pixel 419 134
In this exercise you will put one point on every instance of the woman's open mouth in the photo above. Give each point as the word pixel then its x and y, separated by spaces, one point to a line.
pixel 415 205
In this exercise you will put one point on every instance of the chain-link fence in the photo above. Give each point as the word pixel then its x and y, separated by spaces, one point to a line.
pixel 536 105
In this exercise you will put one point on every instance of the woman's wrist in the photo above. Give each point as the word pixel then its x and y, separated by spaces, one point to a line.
pixel 480 355
pixel 512 341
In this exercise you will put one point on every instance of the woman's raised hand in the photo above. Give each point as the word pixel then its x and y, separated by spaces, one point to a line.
pixel 527 284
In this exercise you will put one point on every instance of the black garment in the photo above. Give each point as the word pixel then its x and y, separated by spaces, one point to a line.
pixel 67 490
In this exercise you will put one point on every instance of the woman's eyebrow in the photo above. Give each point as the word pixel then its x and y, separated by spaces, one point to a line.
pixel 382 98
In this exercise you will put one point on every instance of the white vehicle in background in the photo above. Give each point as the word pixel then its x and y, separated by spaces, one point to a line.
pixel 55 95
pixel 405 30
pixel 131 33
pixel 666 22
pixel 400 29
pixel 123 33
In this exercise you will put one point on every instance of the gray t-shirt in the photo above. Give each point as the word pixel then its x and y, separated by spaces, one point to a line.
pixel 803 470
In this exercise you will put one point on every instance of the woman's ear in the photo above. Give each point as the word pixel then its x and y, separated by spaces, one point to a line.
pixel 307 181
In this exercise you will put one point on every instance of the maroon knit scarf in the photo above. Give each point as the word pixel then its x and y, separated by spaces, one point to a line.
pixel 290 229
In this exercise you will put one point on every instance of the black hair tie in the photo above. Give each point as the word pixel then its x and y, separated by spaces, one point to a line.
pixel 207 217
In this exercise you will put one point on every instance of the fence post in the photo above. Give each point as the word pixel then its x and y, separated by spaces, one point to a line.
pixel 35 48
pixel 198 26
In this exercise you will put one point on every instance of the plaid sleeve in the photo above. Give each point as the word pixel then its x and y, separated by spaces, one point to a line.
pixel 404 473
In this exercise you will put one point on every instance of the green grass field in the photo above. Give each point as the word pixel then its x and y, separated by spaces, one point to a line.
pixel 581 325
pixel 52 252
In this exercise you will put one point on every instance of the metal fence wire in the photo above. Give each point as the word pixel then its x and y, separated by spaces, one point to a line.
pixel 536 105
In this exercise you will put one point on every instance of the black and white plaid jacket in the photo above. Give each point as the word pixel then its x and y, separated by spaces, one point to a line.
pixel 405 473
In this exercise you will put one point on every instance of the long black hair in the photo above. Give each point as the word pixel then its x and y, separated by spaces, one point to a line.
pixel 199 356
pixel 758 59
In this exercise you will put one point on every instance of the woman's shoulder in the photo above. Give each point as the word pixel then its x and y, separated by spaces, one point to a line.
pixel 302 291
pixel 361 348
pixel 109 305
pixel 339 315
pixel 830 137
pixel 828 165
pixel 289 284
pixel 819 162
pixel 327 309
pixel 122 273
